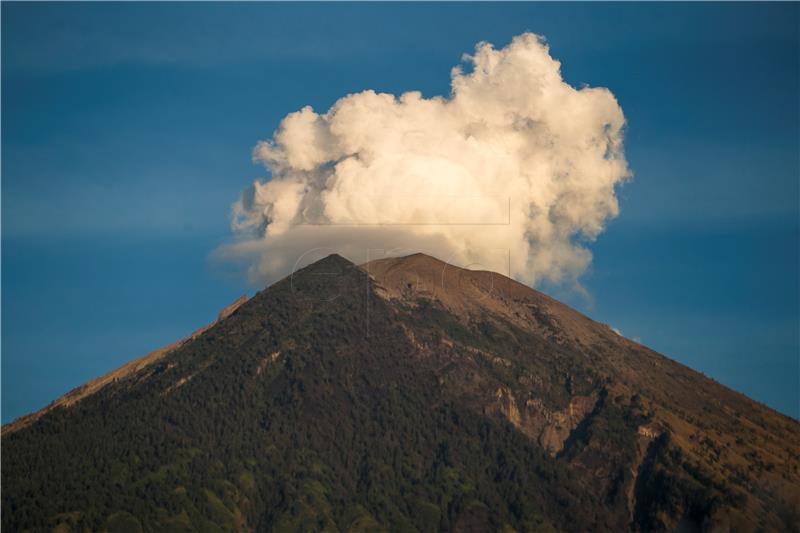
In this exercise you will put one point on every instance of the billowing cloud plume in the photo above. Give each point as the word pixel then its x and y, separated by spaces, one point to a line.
pixel 515 171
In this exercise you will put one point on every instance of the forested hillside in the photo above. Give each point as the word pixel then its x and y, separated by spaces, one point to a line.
pixel 353 399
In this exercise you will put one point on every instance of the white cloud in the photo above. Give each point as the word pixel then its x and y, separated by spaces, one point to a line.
pixel 514 171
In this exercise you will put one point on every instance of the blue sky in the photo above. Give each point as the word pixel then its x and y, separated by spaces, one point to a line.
pixel 127 131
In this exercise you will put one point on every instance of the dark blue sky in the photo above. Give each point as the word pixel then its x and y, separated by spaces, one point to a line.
pixel 127 131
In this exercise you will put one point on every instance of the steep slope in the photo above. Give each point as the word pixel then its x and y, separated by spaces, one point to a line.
pixel 664 443
pixel 403 395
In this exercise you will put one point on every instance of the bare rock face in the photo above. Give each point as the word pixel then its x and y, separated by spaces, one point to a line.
pixel 507 405
pixel 550 428
pixel 561 424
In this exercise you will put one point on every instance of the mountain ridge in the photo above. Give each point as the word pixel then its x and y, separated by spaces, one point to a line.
pixel 90 387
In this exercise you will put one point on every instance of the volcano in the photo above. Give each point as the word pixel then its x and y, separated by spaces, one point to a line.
pixel 405 394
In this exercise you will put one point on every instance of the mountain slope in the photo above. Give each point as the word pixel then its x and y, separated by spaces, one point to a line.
pixel 403 395
pixel 614 409
pixel 130 368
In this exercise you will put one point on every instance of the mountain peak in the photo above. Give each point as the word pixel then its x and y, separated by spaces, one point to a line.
pixel 473 293
pixel 335 258
pixel 333 262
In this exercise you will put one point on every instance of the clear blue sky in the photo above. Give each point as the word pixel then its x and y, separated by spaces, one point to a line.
pixel 127 131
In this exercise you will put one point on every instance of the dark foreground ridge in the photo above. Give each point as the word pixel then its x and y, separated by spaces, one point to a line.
pixel 402 395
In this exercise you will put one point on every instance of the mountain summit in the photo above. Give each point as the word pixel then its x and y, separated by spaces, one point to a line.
pixel 402 395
